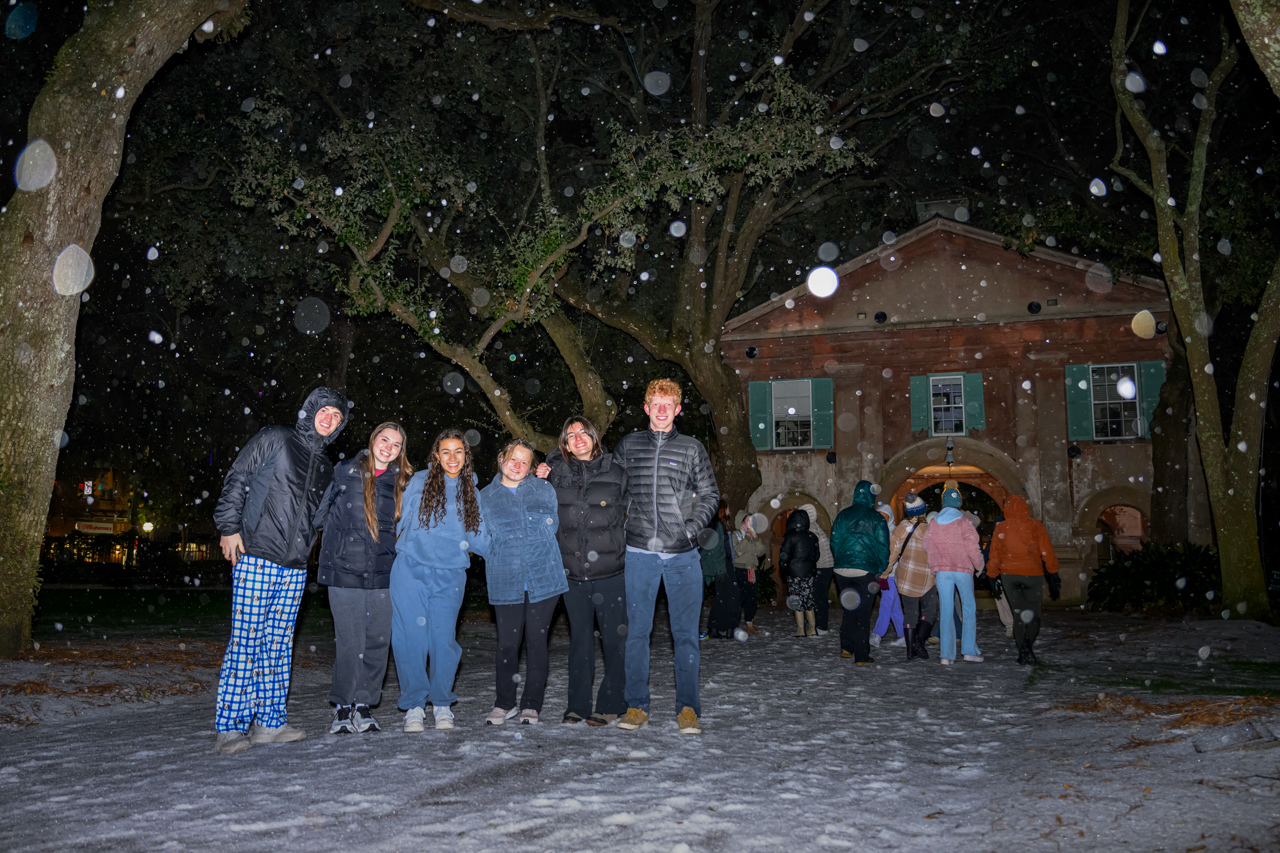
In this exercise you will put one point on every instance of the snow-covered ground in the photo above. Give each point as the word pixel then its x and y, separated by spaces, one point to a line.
pixel 113 750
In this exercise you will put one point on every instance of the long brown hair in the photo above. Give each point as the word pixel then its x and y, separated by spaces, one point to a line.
pixel 587 427
pixel 432 508
pixel 369 473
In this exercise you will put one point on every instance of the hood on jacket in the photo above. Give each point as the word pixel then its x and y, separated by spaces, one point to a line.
pixel 948 515
pixel 811 511
pixel 862 495
pixel 1016 508
pixel 798 522
pixel 317 400
pixel 887 511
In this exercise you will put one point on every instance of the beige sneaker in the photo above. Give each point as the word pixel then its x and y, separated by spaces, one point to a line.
pixel 633 719
pixel 232 743
pixel 280 734
pixel 688 722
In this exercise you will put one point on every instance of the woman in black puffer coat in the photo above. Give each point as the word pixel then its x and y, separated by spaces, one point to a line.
pixel 590 489
pixel 356 554
pixel 798 561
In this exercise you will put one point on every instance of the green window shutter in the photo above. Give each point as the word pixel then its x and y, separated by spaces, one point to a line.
pixel 919 403
pixel 823 412
pixel 975 411
pixel 1151 377
pixel 1079 403
pixel 760 395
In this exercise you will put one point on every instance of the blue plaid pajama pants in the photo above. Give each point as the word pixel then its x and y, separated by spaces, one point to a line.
pixel 254 682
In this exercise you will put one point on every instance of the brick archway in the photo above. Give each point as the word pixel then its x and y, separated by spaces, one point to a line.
pixel 974 462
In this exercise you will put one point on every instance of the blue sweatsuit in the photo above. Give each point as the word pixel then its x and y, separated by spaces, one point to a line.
pixel 428 579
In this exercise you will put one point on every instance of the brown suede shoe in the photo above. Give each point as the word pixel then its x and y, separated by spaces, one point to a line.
pixel 633 719
pixel 688 722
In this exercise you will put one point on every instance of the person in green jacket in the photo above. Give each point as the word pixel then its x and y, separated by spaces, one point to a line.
pixel 860 546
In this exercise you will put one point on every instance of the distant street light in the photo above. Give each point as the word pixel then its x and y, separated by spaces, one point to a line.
pixel 148 527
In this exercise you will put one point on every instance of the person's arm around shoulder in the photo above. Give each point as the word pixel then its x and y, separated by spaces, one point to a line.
pixel 229 513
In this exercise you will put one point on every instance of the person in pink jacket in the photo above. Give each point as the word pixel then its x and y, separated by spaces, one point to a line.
pixel 954 555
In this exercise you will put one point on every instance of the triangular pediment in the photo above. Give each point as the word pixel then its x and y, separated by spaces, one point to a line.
pixel 945 273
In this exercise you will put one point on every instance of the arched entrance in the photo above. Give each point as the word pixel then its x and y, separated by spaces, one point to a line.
pixel 1111 521
pixel 975 463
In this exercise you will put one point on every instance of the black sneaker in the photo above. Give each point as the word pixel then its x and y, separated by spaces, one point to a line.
pixel 343 724
pixel 363 719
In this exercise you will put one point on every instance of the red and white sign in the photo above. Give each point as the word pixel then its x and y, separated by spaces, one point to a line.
pixel 95 527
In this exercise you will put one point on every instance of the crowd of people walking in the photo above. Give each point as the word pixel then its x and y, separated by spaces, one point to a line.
pixel 599 530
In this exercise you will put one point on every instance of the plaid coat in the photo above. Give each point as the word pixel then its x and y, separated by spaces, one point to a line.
pixel 912 572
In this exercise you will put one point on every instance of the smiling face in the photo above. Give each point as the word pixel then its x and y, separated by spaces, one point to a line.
pixel 327 420
pixel 452 455
pixel 579 441
pixel 515 465
pixel 386 446
pixel 662 412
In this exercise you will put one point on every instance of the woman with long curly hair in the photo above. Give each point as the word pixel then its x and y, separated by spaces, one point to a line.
pixel 441 525
pixel 524 576
pixel 356 554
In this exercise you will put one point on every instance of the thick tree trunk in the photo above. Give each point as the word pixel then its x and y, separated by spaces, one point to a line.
pixel 597 404
pixel 1170 428
pixel 82 112
pixel 737 473
pixel 1259 21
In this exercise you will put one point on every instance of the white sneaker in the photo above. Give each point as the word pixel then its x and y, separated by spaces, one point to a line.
pixel 901 641
pixel 444 717
pixel 413 720
pixel 497 716
pixel 279 734
pixel 973 658
pixel 1008 632
pixel 945 661
pixel 529 717
pixel 822 632
pixel 875 641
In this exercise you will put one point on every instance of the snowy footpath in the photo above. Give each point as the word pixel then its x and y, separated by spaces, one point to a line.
pixel 109 746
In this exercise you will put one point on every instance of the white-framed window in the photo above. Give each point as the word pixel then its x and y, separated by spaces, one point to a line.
pixel 1114 391
pixel 792 413
pixel 946 404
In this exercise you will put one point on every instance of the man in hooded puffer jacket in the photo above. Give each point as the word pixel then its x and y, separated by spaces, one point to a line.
pixel 271 502
pixel 860 545
pixel 1020 546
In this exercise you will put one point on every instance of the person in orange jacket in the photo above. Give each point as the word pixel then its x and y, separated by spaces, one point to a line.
pixel 1020 554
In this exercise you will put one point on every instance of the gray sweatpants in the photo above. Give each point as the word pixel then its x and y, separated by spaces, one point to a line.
pixel 1025 594
pixel 362 630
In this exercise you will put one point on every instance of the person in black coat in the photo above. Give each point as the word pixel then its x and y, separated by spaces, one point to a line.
pixel 798 560
pixel 356 554
pixel 716 545
pixel 590 489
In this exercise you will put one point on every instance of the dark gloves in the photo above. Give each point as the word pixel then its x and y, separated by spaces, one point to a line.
pixel 1055 586
pixel 997 588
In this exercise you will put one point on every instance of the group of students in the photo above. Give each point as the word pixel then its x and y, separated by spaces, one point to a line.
pixel 921 567
pixel 602 530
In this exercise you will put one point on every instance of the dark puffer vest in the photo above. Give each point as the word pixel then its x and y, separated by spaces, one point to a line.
pixel 592 502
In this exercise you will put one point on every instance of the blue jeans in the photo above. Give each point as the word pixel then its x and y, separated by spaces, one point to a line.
pixel 682 575
pixel 424 620
pixel 949 583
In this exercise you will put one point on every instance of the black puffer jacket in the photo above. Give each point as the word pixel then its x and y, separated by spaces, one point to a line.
pixel 349 557
pixel 798 557
pixel 671 490
pixel 273 493
pixel 591 497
